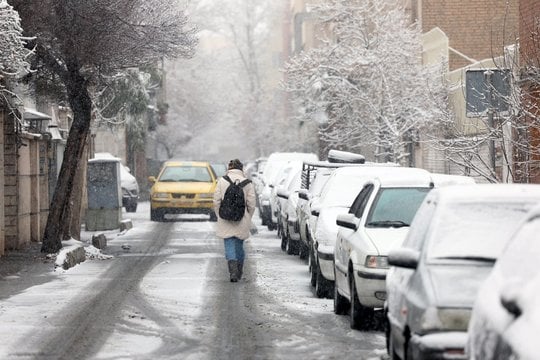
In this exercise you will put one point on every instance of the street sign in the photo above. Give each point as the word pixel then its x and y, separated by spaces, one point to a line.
pixel 483 85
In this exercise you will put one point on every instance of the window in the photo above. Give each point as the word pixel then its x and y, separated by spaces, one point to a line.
pixel 396 206
pixel 420 225
pixel 359 204
pixel 185 174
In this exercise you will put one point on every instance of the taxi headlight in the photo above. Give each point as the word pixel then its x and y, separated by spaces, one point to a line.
pixel 160 195
pixel 206 196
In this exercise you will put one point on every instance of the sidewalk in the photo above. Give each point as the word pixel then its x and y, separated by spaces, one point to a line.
pixel 21 269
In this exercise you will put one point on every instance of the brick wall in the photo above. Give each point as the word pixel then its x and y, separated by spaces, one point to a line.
pixel 479 29
pixel 529 32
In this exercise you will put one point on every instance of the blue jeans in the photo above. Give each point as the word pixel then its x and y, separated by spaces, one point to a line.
pixel 234 249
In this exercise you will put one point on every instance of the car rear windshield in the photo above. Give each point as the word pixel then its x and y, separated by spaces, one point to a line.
pixel 395 207
pixel 474 230
pixel 185 174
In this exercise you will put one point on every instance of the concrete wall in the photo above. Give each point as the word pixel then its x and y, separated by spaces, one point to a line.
pixel 2 142
pixel 27 197
pixel 10 184
pixel 33 191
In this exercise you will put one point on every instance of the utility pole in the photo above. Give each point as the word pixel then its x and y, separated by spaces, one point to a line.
pixel 488 76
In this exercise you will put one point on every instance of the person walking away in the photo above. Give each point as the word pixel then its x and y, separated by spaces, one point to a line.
pixel 234 216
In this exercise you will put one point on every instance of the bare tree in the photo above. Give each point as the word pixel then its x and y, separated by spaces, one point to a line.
pixel 367 80
pixel 76 42
pixel 238 72
pixel 13 53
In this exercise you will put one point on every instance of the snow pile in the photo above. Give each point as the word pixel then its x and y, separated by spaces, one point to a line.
pixel 93 253
pixel 70 254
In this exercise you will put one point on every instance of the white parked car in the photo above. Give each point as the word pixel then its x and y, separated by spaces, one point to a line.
pixel 454 240
pixel 303 209
pixel 505 320
pixel 377 222
pixel 336 197
pixel 282 181
pixel 314 176
pixel 290 236
pixel 273 165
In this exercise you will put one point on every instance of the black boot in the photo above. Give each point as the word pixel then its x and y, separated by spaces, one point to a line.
pixel 240 269
pixel 233 270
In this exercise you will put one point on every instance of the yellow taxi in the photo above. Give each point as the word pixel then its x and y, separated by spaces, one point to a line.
pixel 183 188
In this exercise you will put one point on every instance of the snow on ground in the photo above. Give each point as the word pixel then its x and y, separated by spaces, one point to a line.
pixel 170 296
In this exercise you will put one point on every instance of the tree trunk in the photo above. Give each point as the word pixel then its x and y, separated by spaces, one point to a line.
pixel 78 196
pixel 81 105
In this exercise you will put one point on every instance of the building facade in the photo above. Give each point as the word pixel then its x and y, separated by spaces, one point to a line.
pixel 476 30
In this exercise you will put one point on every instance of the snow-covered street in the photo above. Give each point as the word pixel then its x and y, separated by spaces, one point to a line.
pixel 166 295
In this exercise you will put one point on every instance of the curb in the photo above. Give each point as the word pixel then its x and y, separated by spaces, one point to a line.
pixel 70 256
pixel 125 225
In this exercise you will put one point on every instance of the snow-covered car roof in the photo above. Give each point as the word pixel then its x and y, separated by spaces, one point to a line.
pixel 346 182
pixel 489 192
pixel 446 179
pixel 104 156
pixel 392 176
pixel 288 156
pixel 405 177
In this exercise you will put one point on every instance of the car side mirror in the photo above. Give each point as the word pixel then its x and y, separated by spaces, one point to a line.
pixel 347 221
pixel 509 299
pixel 284 194
pixel 152 179
pixel 404 257
pixel 303 194
pixel 511 306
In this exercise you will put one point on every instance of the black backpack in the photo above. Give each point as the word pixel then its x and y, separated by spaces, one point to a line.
pixel 233 205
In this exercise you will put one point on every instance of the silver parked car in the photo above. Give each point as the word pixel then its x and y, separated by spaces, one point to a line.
pixel 505 320
pixel 454 240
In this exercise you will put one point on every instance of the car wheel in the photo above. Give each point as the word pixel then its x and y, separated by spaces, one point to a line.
pixel 390 346
pixel 323 287
pixel 213 216
pixel 303 251
pixel 361 316
pixel 289 247
pixel 312 269
pixel 157 215
pixel 292 247
pixel 409 350
pixel 340 302
pixel 131 206
pixel 264 222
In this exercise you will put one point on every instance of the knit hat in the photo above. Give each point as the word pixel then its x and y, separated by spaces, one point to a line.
pixel 236 164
